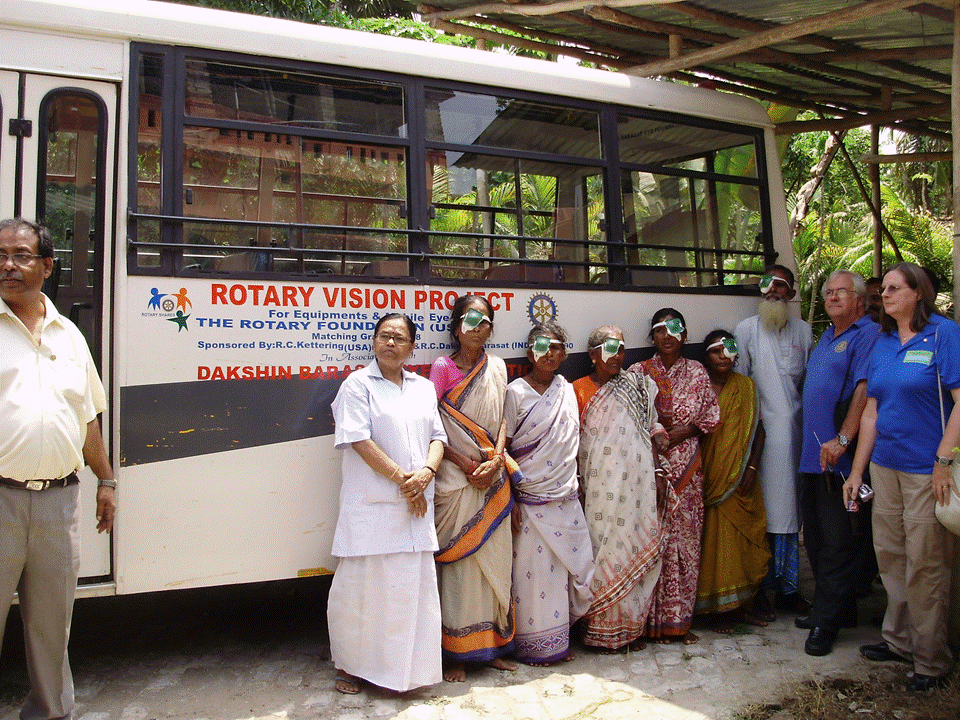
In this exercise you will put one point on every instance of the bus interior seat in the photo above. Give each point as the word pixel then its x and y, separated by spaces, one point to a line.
pixel 386 268
pixel 546 272
pixel 244 262
pixel 658 278
pixel 52 284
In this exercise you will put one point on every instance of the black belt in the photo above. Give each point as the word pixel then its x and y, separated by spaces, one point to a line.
pixel 37 485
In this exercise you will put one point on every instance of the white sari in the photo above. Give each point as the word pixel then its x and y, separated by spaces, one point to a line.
pixel 553 557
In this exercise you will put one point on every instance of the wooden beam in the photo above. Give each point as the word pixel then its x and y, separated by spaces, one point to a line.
pixel 913 52
pixel 773 36
pixel 535 45
pixel 877 159
pixel 740 23
pixel 880 118
pixel 529 10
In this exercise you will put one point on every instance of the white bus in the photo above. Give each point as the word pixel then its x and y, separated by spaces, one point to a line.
pixel 236 199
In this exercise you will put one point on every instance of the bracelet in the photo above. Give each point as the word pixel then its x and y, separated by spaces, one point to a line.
pixel 751 467
pixel 427 467
pixel 394 473
pixel 105 482
pixel 659 471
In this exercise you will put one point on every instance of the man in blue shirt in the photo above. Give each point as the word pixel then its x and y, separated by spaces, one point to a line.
pixel 834 537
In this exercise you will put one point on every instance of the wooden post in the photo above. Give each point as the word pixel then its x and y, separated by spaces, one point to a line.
pixel 954 626
pixel 875 187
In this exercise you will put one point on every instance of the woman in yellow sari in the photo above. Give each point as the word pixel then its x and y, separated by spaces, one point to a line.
pixel 735 552
pixel 475 560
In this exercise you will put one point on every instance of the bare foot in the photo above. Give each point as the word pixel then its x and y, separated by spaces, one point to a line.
pixel 502 664
pixel 570 656
pixel 637 645
pixel 762 609
pixel 661 640
pixel 723 627
pixel 691 639
pixel 751 619
pixel 455 673
pixel 346 683
pixel 610 651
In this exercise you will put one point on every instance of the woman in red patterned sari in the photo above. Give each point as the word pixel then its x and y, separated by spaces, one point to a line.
pixel 687 408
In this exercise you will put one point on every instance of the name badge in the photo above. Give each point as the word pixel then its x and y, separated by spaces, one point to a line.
pixel 921 357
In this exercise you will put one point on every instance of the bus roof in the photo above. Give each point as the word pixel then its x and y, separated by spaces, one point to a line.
pixel 170 23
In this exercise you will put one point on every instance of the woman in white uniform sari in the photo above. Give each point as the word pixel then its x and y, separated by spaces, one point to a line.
pixel 383 610
pixel 552 554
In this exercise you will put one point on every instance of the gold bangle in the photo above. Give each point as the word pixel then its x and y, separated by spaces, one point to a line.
pixel 751 467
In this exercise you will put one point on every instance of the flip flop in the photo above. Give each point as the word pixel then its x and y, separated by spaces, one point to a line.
pixel 347 684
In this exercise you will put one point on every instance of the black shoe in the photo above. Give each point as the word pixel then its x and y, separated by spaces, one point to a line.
pixel 881 652
pixel 819 642
pixel 921 683
pixel 794 602
pixel 805 622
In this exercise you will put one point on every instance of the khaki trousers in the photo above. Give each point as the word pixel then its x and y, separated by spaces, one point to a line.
pixel 915 555
pixel 40 559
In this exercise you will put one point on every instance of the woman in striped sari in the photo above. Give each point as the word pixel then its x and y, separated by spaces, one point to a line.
pixel 473 497
pixel 624 493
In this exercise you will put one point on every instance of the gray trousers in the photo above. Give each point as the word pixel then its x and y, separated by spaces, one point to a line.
pixel 40 559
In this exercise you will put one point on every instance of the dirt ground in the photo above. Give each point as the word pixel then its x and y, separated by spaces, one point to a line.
pixel 260 651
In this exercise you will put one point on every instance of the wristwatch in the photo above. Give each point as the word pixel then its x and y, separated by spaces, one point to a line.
pixel 843 439
pixel 945 461
pixel 103 482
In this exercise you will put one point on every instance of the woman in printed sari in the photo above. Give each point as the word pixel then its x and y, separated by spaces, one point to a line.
pixel 552 555
pixel 473 497
pixel 687 408
pixel 624 493
pixel 735 550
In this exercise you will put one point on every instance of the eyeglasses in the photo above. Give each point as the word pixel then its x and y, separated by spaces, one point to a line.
pixel 841 293
pixel 398 340
pixel 21 260
pixel 892 288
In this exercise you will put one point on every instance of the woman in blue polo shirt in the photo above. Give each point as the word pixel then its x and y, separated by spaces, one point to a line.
pixel 910 456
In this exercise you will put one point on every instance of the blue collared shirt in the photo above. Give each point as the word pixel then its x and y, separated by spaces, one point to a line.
pixel 837 364
pixel 903 379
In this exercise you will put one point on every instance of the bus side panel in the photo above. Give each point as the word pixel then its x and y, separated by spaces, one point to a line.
pixel 52 54
pixel 228 471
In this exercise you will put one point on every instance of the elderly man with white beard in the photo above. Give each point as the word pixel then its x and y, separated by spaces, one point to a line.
pixel 774 349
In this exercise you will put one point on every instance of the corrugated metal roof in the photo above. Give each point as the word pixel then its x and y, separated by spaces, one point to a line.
pixel 884 59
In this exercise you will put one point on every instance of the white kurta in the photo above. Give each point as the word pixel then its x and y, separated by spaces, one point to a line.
pixel 383 610
pixel 777 363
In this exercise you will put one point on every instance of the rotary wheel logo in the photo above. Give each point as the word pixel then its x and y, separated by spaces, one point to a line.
pixel 542 308
pixel 167 304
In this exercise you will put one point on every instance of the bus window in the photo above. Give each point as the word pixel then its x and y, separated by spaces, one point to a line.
pixel 517 214
pixel 291 162
pixel 71 128
pixel 148 174
pixel 691 205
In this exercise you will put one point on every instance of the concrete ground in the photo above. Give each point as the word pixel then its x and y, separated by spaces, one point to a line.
pixel 260 651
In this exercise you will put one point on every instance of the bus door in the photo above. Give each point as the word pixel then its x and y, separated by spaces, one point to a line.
pixel 56 166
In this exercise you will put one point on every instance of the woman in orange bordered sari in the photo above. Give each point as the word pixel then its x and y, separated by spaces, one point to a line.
pixel 735 550
pixel 687 408
pixel 473 498
pixel 622 494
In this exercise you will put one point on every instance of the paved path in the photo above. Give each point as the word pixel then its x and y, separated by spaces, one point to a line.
pixel 239 653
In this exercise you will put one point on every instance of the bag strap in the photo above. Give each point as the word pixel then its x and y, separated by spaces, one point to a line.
pixel 943 422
